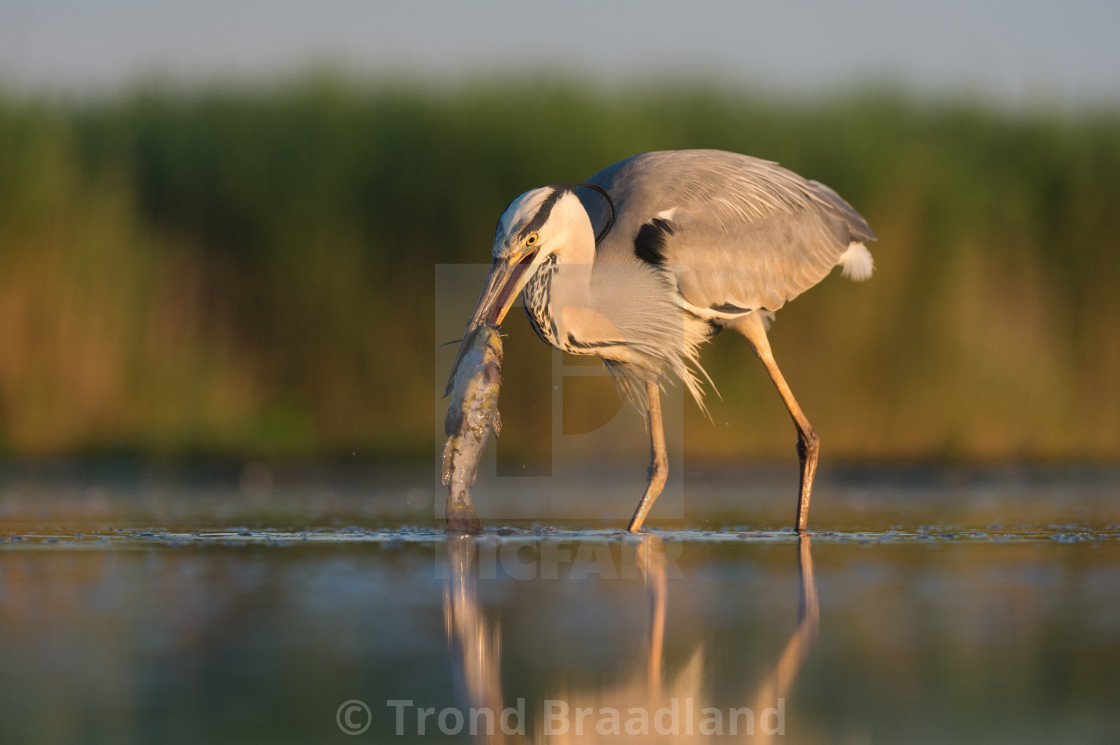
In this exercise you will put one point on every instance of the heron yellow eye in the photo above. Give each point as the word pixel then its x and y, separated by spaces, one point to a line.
pixel 532 239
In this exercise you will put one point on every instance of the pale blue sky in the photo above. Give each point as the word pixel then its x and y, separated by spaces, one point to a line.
pixel 1010 50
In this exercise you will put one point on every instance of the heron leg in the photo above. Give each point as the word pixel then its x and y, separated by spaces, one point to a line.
pixel 808 443
pixel 658 461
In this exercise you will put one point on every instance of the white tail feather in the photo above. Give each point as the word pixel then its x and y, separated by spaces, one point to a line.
pixel 857 262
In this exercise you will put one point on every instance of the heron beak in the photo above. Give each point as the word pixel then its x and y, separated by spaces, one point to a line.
pixel 503 285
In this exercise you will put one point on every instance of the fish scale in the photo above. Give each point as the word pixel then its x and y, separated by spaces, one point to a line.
pixel 471 417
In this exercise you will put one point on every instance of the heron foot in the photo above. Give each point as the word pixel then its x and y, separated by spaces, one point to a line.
pixel 658 474
pixel 658 460
pixel 808 447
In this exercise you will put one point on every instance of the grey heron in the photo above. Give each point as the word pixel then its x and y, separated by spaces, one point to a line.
pixel 690 242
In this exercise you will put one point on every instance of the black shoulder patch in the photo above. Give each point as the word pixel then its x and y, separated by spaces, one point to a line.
pixel 652 239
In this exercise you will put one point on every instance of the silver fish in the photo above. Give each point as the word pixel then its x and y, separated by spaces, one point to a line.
pixel 472 415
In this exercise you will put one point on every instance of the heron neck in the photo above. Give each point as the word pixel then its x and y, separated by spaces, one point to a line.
pixel 580 249
pixel 560 289
pixel 571 282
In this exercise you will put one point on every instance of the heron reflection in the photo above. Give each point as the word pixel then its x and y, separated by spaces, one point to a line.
pixel 643 704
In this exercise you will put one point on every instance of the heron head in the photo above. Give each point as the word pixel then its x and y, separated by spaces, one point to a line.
pixel 539 223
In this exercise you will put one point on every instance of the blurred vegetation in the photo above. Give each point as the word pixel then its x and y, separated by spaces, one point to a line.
pixel 250 271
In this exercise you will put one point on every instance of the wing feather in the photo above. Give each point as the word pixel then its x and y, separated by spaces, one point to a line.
pixel 743 232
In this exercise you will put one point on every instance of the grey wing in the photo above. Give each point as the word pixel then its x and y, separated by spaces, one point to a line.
pixel 738 233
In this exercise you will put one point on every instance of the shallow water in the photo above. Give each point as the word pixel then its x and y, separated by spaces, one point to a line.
pixel 252 605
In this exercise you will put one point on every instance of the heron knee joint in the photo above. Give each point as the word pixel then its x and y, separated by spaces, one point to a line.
pixel 808 442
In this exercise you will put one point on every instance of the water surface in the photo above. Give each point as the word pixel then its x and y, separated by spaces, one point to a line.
pixel 254 605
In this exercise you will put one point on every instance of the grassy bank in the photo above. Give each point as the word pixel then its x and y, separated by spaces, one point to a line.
pixel 250 272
